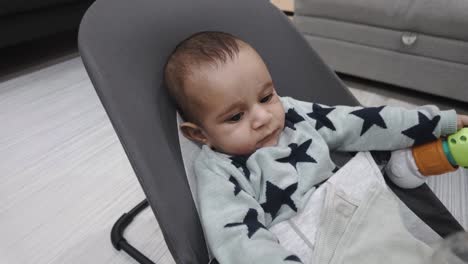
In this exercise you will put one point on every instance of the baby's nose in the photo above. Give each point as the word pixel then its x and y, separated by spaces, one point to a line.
pixel 261 117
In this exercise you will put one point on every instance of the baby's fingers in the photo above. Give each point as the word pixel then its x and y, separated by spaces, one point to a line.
pixel 462 121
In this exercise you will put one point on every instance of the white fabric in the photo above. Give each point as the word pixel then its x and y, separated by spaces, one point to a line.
pixel 340 219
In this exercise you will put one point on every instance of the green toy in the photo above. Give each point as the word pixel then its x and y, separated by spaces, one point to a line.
pixel 457 149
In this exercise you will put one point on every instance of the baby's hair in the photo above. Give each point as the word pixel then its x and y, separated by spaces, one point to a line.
pixel 203 48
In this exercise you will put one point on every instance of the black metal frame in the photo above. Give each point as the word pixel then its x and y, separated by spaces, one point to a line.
pixel 120 243
pixel 118 240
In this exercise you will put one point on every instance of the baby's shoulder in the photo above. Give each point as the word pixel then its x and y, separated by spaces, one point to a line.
pixel 211 160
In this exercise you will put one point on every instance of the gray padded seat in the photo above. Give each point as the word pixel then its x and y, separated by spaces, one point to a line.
pixel 418 44
pixel 124 46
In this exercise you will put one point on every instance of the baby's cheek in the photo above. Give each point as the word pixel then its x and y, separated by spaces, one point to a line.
pixel 241 144
pixel 280 113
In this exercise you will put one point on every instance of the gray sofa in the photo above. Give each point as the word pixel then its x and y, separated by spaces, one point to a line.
pixel 26 20
pixel 417 44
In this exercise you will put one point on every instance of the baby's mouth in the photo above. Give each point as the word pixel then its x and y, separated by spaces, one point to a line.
pixel 267 138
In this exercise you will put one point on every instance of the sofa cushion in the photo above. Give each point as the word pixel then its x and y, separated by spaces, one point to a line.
pixel 419 73
pixel 447 18
pixel 428 46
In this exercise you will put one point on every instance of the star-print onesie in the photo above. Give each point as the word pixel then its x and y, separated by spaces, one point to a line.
pixel 239 197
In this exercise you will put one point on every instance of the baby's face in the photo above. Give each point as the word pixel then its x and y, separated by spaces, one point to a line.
pixel 239 108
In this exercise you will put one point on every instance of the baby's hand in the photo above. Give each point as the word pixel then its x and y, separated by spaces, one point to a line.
pixel 462 121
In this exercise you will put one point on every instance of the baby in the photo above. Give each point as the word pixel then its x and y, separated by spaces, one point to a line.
pixel 263 155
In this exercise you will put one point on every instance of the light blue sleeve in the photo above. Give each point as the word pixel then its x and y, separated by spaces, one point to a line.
pixel 360 128
pixel 234 222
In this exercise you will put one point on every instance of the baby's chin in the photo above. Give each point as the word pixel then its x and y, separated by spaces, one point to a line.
pixel 271 143
pixel 249 149
pixel 241 152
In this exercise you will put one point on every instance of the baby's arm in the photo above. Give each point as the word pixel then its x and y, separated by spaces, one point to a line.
pixel 234 222
pixel 348 128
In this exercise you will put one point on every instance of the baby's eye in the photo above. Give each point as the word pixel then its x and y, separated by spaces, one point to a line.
pixel 266 98
pixel 236 117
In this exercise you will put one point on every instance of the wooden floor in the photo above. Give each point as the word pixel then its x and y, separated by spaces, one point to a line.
pixel 65 178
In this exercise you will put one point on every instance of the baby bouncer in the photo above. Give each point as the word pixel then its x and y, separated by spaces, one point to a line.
pixel 124 46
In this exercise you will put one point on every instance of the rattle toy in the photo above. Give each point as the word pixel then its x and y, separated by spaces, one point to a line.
pixel 442 155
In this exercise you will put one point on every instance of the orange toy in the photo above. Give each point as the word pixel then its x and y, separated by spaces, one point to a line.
pixel 443 155
pixel 430 159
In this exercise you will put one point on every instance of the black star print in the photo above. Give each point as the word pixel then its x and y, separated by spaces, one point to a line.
pixel 240 161
pixel 251 221
pixel 422 132
pixel 292 118
pixel 298 154
pixel 293 258
pixel 276 197
pixel 320 114
pixel 237 188
pixel 371 116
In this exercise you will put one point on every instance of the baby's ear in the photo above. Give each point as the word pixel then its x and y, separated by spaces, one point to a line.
pixel 193 132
